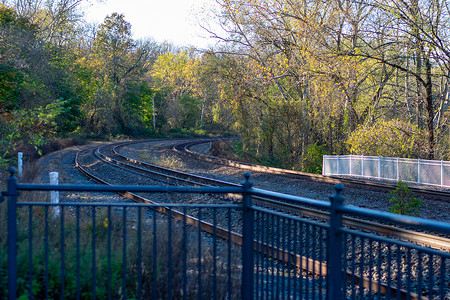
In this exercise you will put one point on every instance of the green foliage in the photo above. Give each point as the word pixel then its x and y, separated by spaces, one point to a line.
pixel 10 79
pixel 139 104
pixel 403 201
pixel 9 17
pixel 392 139
pixel 190 111
pixel 314 159
pixel 28 127
pixel 106 84
pixel 178 78
pixel 113 37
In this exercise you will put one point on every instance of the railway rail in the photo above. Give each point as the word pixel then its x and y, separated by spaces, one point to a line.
pixel 177 177
pixel 184 148
pixel 429 240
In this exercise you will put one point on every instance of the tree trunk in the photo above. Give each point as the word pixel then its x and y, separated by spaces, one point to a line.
pixel 429 108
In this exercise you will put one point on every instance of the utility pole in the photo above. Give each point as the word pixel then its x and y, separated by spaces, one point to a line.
pixel 153 110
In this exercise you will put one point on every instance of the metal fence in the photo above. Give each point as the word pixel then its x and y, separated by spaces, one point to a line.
pixel 421 171
pixel 143 251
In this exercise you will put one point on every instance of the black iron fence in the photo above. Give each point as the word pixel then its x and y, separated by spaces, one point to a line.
pixel 82 250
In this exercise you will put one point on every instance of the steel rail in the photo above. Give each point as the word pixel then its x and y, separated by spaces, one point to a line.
pixel 367 184
pixel 283 256
pixel 420 238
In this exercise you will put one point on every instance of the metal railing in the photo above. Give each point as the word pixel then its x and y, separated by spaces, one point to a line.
pixel 130 250
pixel 421 171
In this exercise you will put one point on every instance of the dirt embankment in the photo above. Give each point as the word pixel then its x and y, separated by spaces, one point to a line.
pixel 225 149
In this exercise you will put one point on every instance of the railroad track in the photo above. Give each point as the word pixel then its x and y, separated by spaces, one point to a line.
pixel 181 178
pixel 184 148
pixel 424 239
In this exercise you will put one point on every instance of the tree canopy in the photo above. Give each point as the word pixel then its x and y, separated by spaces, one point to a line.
pixel 294 79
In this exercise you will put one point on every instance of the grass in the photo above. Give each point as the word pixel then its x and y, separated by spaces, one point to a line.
pixel 53 250
pixel 164 160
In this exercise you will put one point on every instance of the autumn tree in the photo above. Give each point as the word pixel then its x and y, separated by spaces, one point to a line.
pixel 58 20
pixel 174 74
pixel 335 65
pixel 32 102
pixel 215 113
pixel 117 60
pixel 407 36
pixel 12 29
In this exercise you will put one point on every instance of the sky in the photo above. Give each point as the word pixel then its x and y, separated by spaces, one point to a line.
pixel 174 21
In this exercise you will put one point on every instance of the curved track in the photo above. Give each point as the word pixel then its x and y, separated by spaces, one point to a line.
pixel 109 154
pixel 391 231
pixel 184 148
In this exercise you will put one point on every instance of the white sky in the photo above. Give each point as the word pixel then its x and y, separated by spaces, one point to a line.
pixel 163 20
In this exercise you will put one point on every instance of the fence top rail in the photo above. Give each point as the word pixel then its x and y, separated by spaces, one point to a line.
pixel 172 189
pixel 384 158
pixel 286 216
pixel 130 204
pixel 435 226
pixel 406 245
pixel 296 199
pixel 129 188
pixel 403 220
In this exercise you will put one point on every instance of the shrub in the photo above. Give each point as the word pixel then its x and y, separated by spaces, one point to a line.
pixel 403 201
pixel 312 163
pixel 388 138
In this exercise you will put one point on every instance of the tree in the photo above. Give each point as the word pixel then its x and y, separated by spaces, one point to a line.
pixel 176 75
pixel 412 31
pixel 215 114
pixel 57 20
pixel 332 66
pixel 117 59
pixel 17 36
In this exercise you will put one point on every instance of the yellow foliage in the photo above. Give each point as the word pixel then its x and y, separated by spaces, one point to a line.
pixel 388 138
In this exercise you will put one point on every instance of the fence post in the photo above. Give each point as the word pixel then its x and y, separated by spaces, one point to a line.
pixel 362 166
pixel 418 170
pixel 398 171
pixel 337 164
pixel 247 240
pixel 442 173
pixel 54 195
pixel 379 167
pixel 335 274
pixel 19 164
pixel 323 164
pixel 12 194
pixel 350 167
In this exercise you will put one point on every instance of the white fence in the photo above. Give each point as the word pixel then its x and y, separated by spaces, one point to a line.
pixel 421 171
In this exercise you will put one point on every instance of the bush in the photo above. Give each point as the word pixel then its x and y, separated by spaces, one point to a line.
pixel 388 138
pixel 312 163
pixel 403 201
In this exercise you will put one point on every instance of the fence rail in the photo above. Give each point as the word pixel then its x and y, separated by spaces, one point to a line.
pixel 421 171
pixel 129 250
